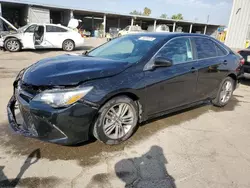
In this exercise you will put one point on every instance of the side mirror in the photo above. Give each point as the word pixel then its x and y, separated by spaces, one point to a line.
pixel 162 62
pixel 85 52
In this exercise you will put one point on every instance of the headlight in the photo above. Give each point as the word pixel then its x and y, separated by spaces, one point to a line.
pixel 62 97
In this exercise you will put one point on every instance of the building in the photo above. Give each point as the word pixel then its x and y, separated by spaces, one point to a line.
pixel 22 12
pixel 238 34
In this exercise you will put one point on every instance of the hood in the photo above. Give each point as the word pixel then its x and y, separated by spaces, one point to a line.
pixel 66 70
pixel 8 23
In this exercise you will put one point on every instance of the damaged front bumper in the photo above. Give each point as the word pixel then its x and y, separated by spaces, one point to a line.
pixel 65 126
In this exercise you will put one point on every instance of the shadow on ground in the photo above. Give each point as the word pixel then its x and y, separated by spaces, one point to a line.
pixel 28 182
pixel 89 153
pixel 245 82
pixel 146 171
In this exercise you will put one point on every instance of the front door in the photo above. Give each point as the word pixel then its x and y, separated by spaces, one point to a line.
pixel 170 87
pixel 28 37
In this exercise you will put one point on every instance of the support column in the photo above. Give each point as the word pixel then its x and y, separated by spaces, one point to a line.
pixel 191 27
pixel 132 21
pixel 1 22
pixel 93 23
pixel 71 14
pixel 205 29
pixel 104 25
pixel 119 22
pixel 174 26
pixel 0 10
pixel 141 23
pixel 155 25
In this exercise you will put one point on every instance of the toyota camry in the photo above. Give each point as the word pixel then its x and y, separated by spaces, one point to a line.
pixel 108 91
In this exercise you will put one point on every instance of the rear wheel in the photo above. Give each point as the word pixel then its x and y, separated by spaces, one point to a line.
pixel 117 120
pixel 68 45
pixel 225 92
pixel 12 45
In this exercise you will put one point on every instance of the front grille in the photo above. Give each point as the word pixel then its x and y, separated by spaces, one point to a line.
pixel 25 91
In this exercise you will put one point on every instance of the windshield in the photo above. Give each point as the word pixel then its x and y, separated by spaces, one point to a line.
pixel 22 29
pixel 129 48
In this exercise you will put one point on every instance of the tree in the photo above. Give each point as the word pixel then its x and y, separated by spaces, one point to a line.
pixel 147 11
pixel 177 17
pixel 164 16
pixel 135 12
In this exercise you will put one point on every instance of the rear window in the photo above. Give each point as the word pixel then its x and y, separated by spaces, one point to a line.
pixel 205 48
pixel 50 28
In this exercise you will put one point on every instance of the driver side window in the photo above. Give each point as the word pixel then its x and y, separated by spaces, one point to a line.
pixel 127 28
pixel 178 51
pixel 30 29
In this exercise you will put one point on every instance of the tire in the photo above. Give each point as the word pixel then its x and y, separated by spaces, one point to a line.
pixel 12 45
pixel 218 101
pixel 68 45
pixel 125 130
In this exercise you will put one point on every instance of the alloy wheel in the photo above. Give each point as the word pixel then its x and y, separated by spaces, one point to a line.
pixel 68 45
pixel 118 121
pixel 226 92
pixel 12 45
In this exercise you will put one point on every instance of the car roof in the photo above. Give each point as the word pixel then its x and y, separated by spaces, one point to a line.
pixel 170 34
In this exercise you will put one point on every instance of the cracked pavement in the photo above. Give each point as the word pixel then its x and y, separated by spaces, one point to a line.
pixel 203 146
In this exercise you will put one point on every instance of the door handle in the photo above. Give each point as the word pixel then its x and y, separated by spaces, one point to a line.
pixel 224 62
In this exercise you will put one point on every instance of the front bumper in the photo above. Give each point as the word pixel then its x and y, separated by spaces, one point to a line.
pixel 1 43
pixel 66 126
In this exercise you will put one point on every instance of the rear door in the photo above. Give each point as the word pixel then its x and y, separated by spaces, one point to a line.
pixel 54 36
pixel 170 87
pixel 212 66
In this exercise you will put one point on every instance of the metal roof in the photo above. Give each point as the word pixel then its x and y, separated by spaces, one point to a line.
pixel 102 12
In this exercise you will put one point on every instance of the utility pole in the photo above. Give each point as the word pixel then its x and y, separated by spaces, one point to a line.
pixel 208 18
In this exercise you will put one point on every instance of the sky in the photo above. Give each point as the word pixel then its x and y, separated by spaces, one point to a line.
pixel 218 10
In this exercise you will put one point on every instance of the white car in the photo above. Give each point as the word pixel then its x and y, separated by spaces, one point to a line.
pixel 38 36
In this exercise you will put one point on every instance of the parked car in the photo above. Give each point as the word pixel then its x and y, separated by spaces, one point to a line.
pixel 113 33
pixel 130 30
pixel 128 80
pixel 159 28
pixel 245 61
pixel 40 36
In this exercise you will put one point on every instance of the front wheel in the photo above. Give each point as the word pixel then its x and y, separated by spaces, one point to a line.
pixel 68 45
pixel 117 120
pixel 225 92
pixel 12 45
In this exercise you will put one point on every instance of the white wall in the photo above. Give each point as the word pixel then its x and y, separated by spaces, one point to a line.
pixel 38 15
pixel 238 24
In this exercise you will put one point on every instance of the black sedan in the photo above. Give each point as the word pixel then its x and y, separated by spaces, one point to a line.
pixel 110 90
pixel 245 61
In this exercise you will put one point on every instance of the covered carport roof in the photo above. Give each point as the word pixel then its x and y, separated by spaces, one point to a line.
pixel 101 13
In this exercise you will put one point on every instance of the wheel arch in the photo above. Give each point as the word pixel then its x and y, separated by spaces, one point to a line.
pixel 12 37
pixel 130 95
pixel 234 77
